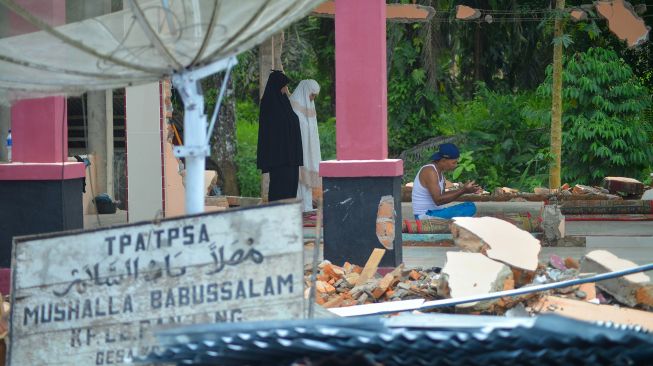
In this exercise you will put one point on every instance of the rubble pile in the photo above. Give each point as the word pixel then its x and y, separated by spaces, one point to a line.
pixel 495 256
pixel 612 188
pixel 339 286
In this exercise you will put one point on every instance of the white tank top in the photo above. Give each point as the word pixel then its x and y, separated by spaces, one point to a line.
pixel 421 197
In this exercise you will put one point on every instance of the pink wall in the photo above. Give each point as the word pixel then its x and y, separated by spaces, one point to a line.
pixel 361 85
pixel 39 130
pixel 39 127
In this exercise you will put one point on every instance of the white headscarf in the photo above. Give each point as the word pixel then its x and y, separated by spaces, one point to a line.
pixel 304 107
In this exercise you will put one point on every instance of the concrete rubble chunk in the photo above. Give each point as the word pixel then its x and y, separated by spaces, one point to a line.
pixel 498 239
pixel 578 15
pixel 464 12
pixel 472 274
pixel 623 21
pixel 583 310
pixel 553 224
pixel 623 185
pixel 648 195
pixel 623 288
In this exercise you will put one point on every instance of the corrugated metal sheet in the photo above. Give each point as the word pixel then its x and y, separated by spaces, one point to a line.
pixel 408 340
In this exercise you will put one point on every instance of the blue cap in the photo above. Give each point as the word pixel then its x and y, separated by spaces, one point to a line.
pixel 447 151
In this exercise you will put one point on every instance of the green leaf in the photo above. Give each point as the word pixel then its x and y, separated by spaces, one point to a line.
pixel 564 39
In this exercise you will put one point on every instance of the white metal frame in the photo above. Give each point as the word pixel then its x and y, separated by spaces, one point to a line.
pixel 196 147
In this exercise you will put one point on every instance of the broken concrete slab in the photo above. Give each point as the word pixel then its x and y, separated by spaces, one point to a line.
pixel 623 21
pixel 584 310
pixel 498 239
pixel 472 274
pixel 464 12
pixel 623 186
pixel 624 288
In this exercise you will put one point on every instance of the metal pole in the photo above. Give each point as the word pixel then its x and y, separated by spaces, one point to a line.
pixel 195 149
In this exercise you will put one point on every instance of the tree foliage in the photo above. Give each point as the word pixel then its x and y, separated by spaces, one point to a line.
pixel 604 129
pixel 506 145
pixel 478 80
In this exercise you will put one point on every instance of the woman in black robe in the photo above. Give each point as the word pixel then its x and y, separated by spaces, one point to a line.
pixel 279 139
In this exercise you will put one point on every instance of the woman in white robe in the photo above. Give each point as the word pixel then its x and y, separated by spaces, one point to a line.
pixel 303 105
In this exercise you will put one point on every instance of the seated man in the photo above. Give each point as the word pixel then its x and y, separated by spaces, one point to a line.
pixel 428 189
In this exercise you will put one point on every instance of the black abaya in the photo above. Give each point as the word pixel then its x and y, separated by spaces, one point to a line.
pixel 283 183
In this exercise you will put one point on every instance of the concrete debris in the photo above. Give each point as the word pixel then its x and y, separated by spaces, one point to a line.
pixel 540 194
pixel 584 310
pixel 498 239
pixel 398 284
pixel 466 13
pixel 498 257
pixel 505 190
pixel 623 21
pixel 580 189
pixel 623 289
pixel 577 15
pixel 623 186
pixel 470 274
pixel 648 195
pixel 553 224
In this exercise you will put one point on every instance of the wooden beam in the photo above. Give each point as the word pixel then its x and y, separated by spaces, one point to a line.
pixel 371 266
pixel 399 13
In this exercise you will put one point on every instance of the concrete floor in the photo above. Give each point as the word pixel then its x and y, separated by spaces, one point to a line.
pixel 609 228
pixel 96 221
pixel 628 240
pixel 435 256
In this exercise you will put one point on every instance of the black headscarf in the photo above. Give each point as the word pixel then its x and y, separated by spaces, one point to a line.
pixel 279 135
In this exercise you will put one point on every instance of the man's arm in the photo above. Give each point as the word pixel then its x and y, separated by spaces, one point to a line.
pixel 429 179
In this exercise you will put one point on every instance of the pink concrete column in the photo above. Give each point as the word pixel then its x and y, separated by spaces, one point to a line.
pixel 361 82
pixel 361 93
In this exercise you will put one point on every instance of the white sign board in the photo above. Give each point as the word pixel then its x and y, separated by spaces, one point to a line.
pixel 95 297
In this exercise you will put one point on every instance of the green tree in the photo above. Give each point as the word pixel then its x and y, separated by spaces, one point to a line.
pixel 505 144
pixel 412 104
pixel 605 131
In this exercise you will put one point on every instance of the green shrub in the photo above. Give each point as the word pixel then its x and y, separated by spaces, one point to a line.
pixel 327 131
pixel 249 177
pixel 605 131
pixel 501 144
